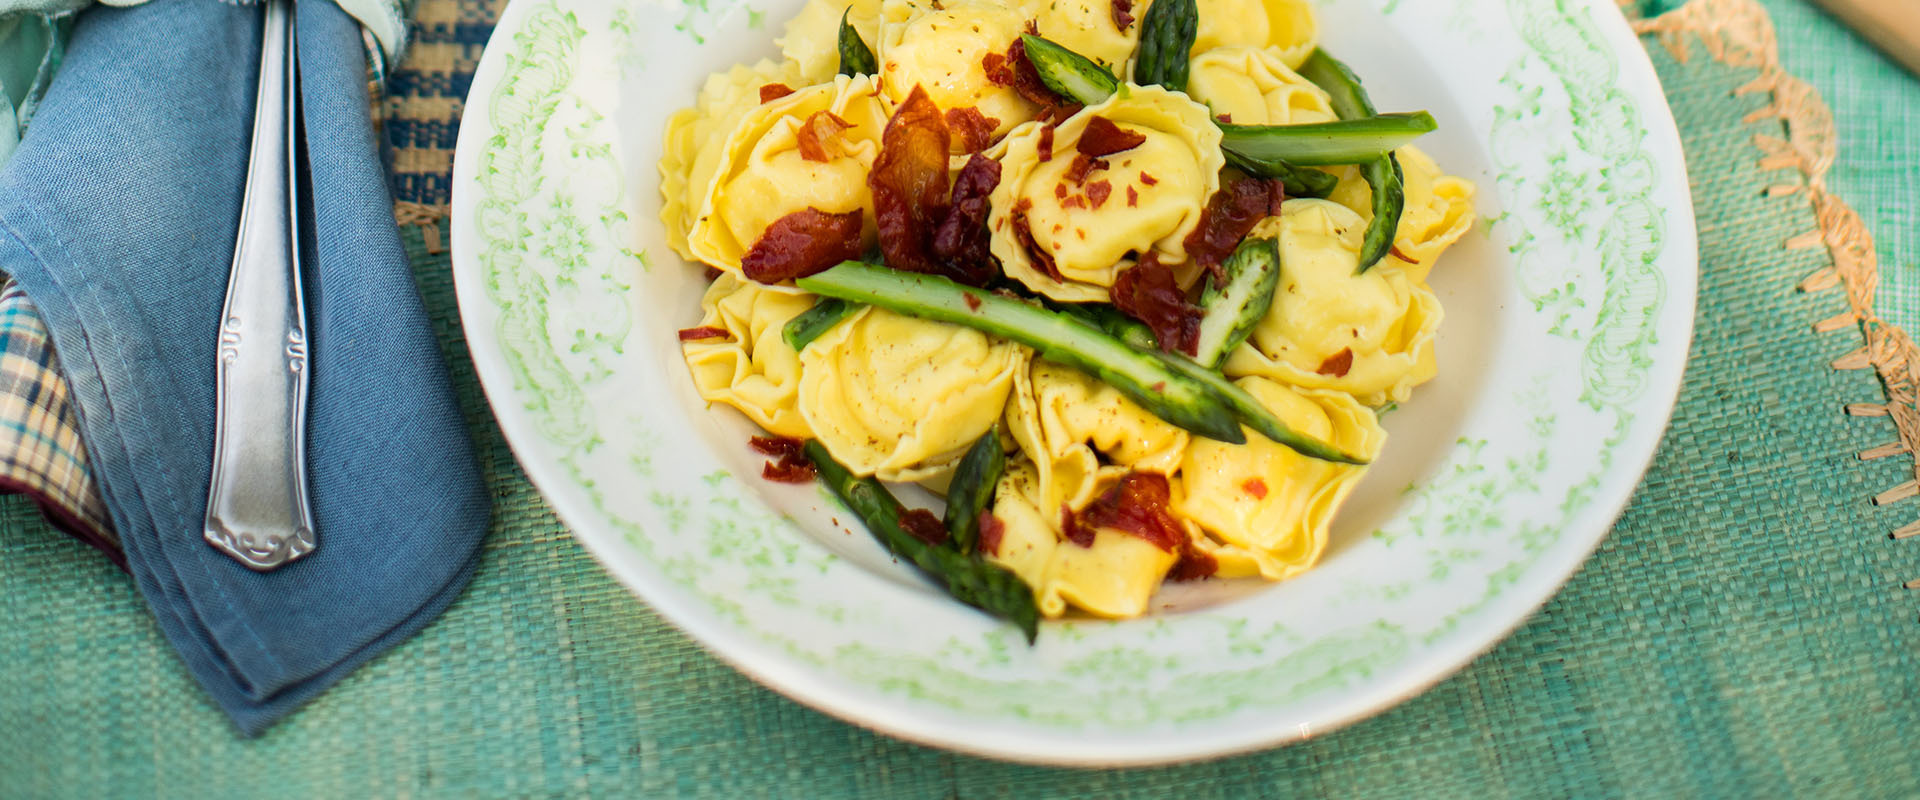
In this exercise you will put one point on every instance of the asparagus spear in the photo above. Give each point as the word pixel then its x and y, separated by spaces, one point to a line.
pixel 1348 141
pixel 808 325
pixel 1166 44
pixel 1162 391
pixel 855 57
pixel 1300 181
pixel 1230 311
pixel 972 489
pixel 1070 74
pixel 971 580
pixel 1350 101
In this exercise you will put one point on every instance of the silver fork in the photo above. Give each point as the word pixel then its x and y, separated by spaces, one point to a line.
pixel 257 508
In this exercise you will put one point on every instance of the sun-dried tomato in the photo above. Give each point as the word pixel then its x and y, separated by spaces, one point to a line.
pixel 1138 505
pixel 1122 11
pixel 1193 564
pixel 992 530
pixel 923 525
pixel 793 467
pixel 970 129
pixel 1082 166
pixel 909 183
pixel 1148 292
pixel 1071 527
pixel 1337 364
pixel 1023 234
pixel 1102 138
pixel 788 472
pixel 778 446
pixel 697 334
pixel 820 129
pixel 1098 191
pixel 962 242
pixel 803 243
pixel 1230 214
pixel 774 91
pixel 1255 487
pixel 1045 146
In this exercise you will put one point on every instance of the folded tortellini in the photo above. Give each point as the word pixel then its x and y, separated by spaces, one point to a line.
pixel 694 138
pixel 1087 27
pixel 762 167
pixel 945 48
pixel 1078 431
pixel 1069 238
pixel 752 368
pixel 1368 334
pixel 1255 86
pixel 1114 577
pixel 812 37
pixel 1439 209
pixel 1266 507
pixel 902 398
pixel 1287 26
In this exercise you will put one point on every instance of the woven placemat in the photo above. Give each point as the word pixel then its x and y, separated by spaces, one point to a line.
pixel 1742 632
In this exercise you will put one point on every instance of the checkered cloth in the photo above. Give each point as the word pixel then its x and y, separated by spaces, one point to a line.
pixel 41 454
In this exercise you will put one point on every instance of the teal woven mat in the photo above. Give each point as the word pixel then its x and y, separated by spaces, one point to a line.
pixel 1742 633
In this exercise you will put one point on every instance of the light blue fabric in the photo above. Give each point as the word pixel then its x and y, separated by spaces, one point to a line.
pixel 117 215
pixel 31 46
pixel 386 20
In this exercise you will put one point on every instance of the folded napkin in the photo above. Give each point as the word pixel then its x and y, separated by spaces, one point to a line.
pixel 117 217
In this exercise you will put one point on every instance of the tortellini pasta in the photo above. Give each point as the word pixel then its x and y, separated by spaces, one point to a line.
pixel 761 173
pixel 812 37
pixel 903 398
pixel 752 369
pixel 1115 577
pixel 1087 27
pixel 1146 199
pixel 1253 86
pixel 1438 211
pixel 944 48
pixel 1287 26
pixel 1078 431
pixel 694 139
pixel 1368 334
pixel 1266 507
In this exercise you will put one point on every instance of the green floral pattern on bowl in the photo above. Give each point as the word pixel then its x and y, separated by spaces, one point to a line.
pixel 1569 316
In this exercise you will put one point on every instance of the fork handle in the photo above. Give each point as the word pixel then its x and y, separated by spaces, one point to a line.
pixel 257 508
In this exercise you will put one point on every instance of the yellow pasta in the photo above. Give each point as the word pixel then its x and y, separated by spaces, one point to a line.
pixel 1086 27
pixel 903 398
pixel 1368 334
pixel 1438 211
pixel 1154 196
pixel 760 173
pixel 1268 508
pixel 1254 86
pixel 943 48
pixel 695 139
pixel 752 369
pixel 1115 577
pixel 1078 431
pixel 1287 26
pixel 812 37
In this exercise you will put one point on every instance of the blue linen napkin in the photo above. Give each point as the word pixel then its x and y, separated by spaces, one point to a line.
pixel 117 216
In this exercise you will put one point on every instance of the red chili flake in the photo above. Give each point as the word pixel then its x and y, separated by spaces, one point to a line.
pixel 1226 118
pixel 788 472
pixel 1337 364
pixel 1148 292
pixel 1136 505
pixel 962 242
pixel 819 130
pixel 1098 191
pixel 995 65
pixel 1082 166
pixel 696 334
pixel 774 91
pixel 1023 234
pixel 1159 387
pixel 1193 564
pixel 972 130
pixel 992 530
pixel 1075 201
pixel 1122 11
pixel 1046 143
pixel 973 303
pixel 1133 197
pixel 803 243
pixel 1071 528
pixel 1395 250
pixel 1148 180
pixel 1102 138
pixel 778 446
pixel 909 183
pixel 1059 190
pixel 1255 487
pixel 923 525
pixel 1230 214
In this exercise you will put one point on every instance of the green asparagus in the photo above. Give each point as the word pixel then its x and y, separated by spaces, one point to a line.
pixel 1230 311
pixel 1349 100
pixel 855 57
pixel 1348 141
pixel 808 325
pixel 1166 44
pixel 971 490
pixel 1068 73
pixel 971 580
pixel 1300 181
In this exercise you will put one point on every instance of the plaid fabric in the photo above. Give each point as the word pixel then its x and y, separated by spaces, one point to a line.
pixel 41 454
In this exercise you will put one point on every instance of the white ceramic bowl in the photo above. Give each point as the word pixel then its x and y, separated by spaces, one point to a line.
pixel 1568 318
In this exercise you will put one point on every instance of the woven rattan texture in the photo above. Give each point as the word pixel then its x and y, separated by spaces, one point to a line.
pixel 1742 633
